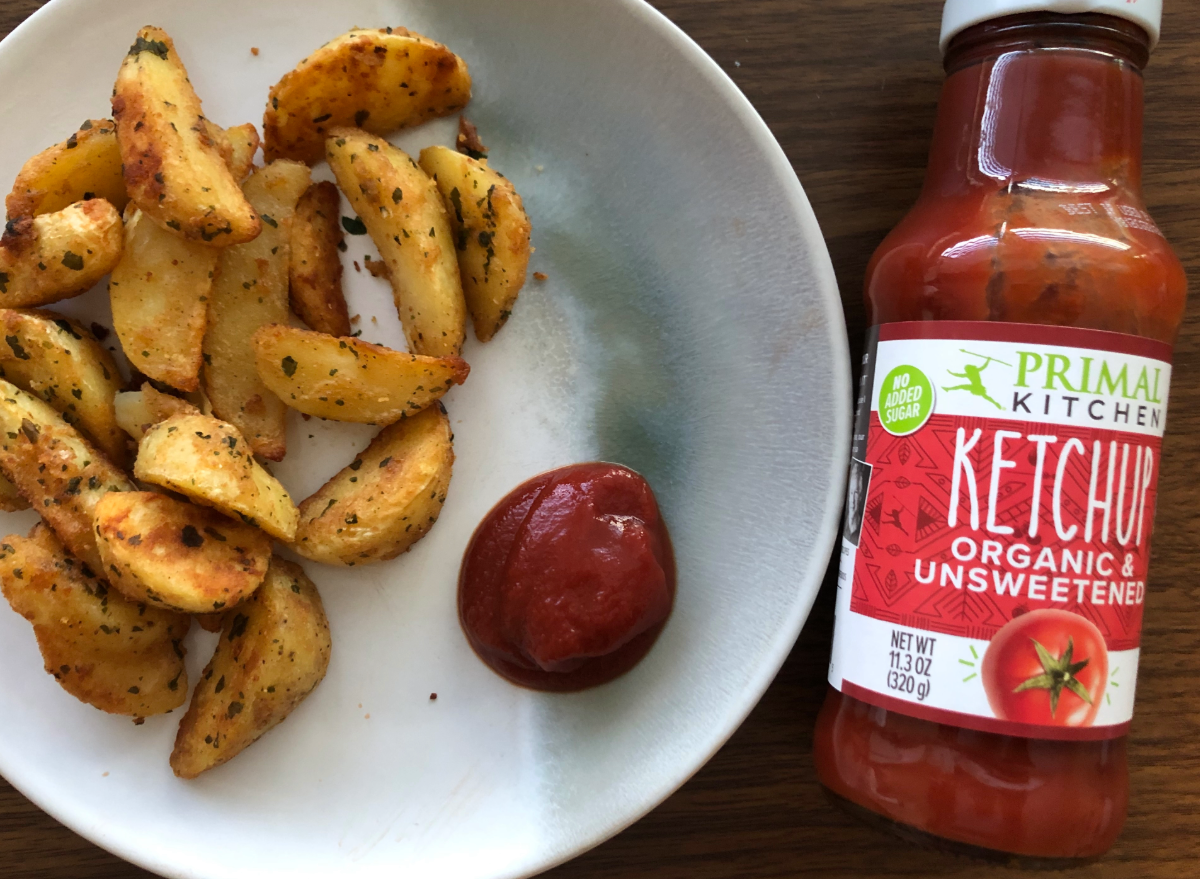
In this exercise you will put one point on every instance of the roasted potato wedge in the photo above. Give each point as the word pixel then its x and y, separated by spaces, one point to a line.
pixel 378 80
pixel 85 165
pixel 491 234
pixel 210 462
pixel 315 271
pixel 251 289
pixel 175 160
pixel 61 362
pixel 118 655
pixel 349 379
pixel 273 651
pixel 243 144
pixel 56 256
pixel 54 468
pixel 159 295
pixel 403 210
pixel 385 500
pixel 176 555
pixel 138 410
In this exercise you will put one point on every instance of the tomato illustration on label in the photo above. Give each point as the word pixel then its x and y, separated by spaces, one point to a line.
pixel 1046 667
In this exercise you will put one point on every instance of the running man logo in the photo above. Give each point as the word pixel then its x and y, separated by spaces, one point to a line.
pixel 973 373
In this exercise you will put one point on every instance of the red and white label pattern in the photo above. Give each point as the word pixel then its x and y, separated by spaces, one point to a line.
pixel 1028 491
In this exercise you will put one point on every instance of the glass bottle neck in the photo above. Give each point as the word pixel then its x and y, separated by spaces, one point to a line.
pixel 1041 102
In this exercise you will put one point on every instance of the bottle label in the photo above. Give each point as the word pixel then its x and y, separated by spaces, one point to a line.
pixel 1001 496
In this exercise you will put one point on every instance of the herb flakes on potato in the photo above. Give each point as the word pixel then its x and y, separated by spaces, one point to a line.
pixel 137 411
pixel 250 290
pixel 349 379
pixel 54 468
pixel 61 362
pixel 491 234
pixel 211 463
pixel 400 206
pixel 273 651
pixel 175 160
pixel 115 654
pixel 386 499
pixel 159 295
pixel 85 165
pixel 59 255
pixel 377 80
pixel 176 555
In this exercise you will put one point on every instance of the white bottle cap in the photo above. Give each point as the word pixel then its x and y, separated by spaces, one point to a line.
pixel 962 14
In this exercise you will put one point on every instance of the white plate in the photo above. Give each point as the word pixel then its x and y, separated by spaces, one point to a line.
pixel 690 328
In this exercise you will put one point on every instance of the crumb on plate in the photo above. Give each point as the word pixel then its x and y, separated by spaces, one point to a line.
pixel 468 141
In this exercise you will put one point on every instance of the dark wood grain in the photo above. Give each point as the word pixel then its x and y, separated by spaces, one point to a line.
pixel 849 87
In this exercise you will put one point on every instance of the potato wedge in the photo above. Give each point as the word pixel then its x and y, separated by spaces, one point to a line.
pixel 118 655
pixel 251 289
pixel 54 468
pixel 61 362
pixel 378 80
pixel 85 165
pixel 349 379
pixel 56 256
pixel 175 169
pixel 491 234
pixel 385 500
pixel 176 555
pixel 315 270
pixel 403 210
pixel 210 462
pixel 159 295
pixel 138 410
pixel 273 651
pixel 243 145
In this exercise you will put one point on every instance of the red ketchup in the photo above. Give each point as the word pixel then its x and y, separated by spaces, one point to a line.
pixel 569 579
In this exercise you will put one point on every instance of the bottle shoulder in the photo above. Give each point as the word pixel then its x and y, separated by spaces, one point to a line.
pixel 1092 260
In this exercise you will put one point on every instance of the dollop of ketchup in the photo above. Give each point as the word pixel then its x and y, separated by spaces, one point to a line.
pixel 569 579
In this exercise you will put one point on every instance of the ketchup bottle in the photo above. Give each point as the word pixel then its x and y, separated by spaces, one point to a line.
pixel 1006 450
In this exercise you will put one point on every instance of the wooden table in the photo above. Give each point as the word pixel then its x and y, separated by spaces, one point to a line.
pixel 850 88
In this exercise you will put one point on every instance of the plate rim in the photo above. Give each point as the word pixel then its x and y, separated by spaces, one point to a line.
pixel 808 582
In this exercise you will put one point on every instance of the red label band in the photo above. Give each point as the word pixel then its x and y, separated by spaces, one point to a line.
pixel 1006 553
